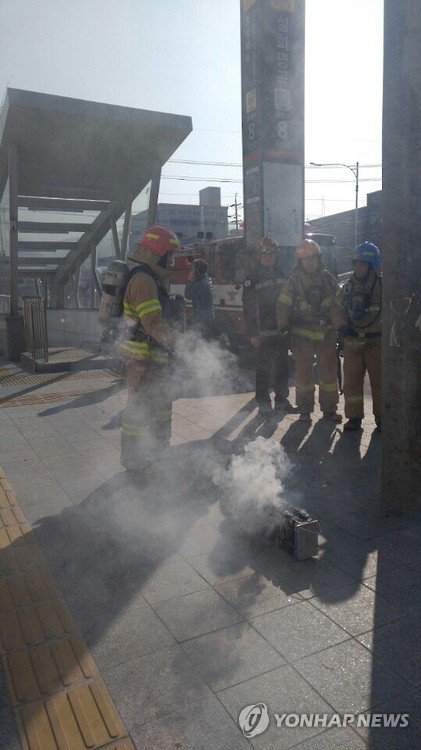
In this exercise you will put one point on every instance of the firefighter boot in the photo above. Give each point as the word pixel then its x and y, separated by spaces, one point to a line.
pixel 305 417
pixel 353 424
pixel 265 411
pixel 333 416
pixel 283 406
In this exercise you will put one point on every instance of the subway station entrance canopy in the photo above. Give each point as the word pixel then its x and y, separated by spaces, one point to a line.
pixel 64 156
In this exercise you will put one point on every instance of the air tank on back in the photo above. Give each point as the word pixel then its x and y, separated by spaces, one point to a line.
pixel 113 289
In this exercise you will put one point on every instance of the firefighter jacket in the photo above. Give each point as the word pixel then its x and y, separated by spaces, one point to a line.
pixel 260 294
pixel 148 336
pixel 200 291
pixel 359 306
pixel 305 303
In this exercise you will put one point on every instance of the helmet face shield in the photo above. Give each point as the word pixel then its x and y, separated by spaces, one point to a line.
pixel 160 240
pixel 308 249
pixel 267 246
pixel 367 252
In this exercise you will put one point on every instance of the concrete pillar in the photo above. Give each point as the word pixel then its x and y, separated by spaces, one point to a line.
pixel 401 463
pixel 272 72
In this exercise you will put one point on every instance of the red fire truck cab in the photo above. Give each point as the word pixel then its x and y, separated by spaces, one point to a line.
pixel 229 264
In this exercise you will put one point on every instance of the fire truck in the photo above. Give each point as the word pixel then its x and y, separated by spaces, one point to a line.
pixel 229 264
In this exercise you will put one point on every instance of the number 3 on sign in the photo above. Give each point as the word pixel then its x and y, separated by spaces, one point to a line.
pixel 252 131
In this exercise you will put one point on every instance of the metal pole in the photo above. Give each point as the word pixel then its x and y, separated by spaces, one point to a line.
pixel 355 171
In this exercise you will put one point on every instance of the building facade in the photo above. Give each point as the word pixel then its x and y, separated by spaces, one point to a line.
pixel 342 225
pixel 208 219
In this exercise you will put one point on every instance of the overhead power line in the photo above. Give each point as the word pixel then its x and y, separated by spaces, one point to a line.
pixel 238 164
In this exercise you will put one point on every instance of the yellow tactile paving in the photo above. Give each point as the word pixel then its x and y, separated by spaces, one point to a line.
pixel 45 398
pixel 58 697
pixel 8 378
pixel 80 718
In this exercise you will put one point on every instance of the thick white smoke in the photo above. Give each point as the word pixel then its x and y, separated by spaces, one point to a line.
pixel 205 365
pixel 253 486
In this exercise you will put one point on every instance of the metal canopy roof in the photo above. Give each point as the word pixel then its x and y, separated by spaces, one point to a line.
pixel 79 156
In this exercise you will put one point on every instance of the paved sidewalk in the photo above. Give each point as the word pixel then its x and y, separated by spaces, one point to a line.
pixel 187 619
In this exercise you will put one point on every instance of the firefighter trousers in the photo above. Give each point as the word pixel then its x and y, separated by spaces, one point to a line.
pixel 272 370
pixel 146 426
pixel 303 351
pixel 361 356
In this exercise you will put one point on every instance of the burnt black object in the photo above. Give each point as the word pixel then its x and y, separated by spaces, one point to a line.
pixel 298 534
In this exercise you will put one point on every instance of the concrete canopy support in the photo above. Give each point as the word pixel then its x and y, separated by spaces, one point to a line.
pixel 13 227
pixel 401 469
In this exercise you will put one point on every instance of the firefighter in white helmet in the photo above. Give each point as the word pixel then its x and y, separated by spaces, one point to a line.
pixel 304 309
pixel 146 427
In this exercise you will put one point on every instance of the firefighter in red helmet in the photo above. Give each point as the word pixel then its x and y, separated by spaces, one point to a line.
pixel 148 339
pixel 304 309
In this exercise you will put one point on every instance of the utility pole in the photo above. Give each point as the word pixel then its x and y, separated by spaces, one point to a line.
pixel 355 171
pixel 401 409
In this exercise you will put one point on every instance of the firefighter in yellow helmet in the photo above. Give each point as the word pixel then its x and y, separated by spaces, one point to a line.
pixel 358 318
pixel 304 309
pixel 146 427
pixel 260 294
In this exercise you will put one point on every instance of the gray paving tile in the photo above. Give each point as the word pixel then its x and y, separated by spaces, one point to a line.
pixel 74 468
pixel 12 443
pixel 357 609
pixel 21 461
pixel 4 695
pixel 283 691
pixel 196 614
pixel 51 446
pixel 30 488
pixel 203 726
pixel 307 578
pixel 61 457
pixel 400 737
pixel 34 427
pixel 232 655
pixel 398 584
pixel 343 676
pixel 19 412
pixel 9 738
pixel 134 631
pixel 337 738
pixel 404 546
pixel 397 645
pixel 254 595
pixel 79 487
pixel 153 686
pixel 299 630
pixel 200 540
pixel 172 580
pixel 371 525
pixel 48 505
pixel 222 565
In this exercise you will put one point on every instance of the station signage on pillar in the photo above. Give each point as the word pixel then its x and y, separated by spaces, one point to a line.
pixel 272 67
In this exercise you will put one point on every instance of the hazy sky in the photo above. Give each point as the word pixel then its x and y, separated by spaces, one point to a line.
pixel 183 56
